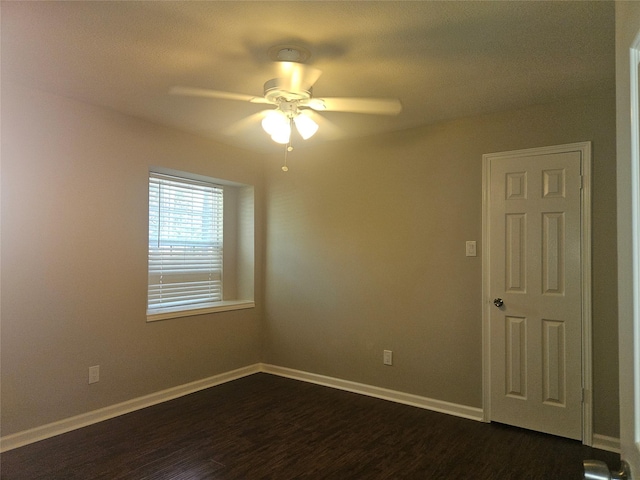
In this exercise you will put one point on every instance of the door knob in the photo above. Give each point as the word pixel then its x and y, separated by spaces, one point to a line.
pixel 498 302
pixel 598 470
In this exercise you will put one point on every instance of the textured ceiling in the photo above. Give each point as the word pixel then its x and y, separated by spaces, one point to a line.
pixel 443 60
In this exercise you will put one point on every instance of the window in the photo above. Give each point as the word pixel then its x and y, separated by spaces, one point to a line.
pixel 186 265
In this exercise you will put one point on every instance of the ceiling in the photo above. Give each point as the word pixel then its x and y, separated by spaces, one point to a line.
pixel 443 60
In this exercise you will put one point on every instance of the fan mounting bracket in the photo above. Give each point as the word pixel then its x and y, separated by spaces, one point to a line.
pixel 288 53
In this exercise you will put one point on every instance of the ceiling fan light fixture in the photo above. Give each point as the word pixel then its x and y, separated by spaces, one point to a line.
pixel 305 125
pixel 291 92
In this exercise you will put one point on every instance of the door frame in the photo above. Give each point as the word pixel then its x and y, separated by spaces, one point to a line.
pixel 628 184
pixel 585 259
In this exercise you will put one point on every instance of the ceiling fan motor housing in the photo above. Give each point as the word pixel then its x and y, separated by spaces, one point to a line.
pixel 275 90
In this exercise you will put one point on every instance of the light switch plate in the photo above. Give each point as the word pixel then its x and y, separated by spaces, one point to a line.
pixel 387 357
pixel 94 374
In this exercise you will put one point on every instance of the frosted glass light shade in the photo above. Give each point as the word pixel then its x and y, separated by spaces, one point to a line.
pixel 305 126
pixel 282 136
pixel 275 121
pixel 278 125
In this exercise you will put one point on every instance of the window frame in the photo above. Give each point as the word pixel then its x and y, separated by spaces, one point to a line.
pixel 238 277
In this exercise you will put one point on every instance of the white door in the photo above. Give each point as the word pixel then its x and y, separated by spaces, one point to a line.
pixel 535 317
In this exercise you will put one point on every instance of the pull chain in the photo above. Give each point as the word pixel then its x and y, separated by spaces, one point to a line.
pixel 286 151
pixel 288 148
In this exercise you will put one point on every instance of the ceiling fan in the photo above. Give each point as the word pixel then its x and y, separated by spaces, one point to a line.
pixel 292 94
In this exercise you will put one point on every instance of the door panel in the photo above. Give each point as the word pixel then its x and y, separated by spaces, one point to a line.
pixel 515 256
pixel 553 249
pixel 534 225
pixel 516 357
pixel 554 365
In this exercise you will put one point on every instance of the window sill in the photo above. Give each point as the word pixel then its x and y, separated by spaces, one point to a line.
pixel 224 306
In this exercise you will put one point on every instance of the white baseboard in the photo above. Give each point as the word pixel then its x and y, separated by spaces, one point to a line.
pixel 36 434
pixel 602 442
pixel 457 410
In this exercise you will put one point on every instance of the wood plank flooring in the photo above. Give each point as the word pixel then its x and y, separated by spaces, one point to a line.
pixel 268 427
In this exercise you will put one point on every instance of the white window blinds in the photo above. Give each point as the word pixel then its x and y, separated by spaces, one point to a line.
pixel 185 243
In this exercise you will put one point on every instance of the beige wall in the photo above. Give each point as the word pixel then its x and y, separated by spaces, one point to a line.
pixel 74 248
pixel 363 246
pixel 366 251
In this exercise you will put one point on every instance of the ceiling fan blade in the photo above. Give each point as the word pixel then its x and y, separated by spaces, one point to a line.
pixel 243 124
pixel 377 106
pixel 297 77
pixel 204 92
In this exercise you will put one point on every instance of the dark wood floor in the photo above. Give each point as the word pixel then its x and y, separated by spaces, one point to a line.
pixel 268 427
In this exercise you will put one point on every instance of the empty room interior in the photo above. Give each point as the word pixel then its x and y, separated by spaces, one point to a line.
pixel 360 259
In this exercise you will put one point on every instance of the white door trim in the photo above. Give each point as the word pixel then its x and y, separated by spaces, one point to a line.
pixel 585 238
pixel 628 183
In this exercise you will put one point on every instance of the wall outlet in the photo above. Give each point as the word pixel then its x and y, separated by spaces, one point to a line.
pixel 387 357
pixel 471 248
pixel 94 374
